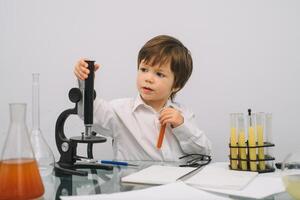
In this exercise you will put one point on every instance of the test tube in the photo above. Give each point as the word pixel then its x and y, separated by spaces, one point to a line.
pixel 241 142
pixel 260 125
pixel 233 141
pixel 269 138
pixel 252 141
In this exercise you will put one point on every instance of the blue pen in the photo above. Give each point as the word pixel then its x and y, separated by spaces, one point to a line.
pixel 119 163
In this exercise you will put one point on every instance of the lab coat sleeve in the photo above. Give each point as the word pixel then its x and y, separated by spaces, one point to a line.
pixel 104 118
pixel 190 137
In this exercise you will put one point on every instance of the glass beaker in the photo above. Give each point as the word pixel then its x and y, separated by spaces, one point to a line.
pixel 291 174
pixel 41 149
pixel 19 174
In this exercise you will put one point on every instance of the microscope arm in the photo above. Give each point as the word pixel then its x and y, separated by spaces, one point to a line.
pixel 60 136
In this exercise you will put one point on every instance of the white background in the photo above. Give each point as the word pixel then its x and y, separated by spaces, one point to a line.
pixel 246 55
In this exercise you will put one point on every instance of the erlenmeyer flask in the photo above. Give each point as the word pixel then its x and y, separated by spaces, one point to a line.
pixel 19 174
pixel 41 149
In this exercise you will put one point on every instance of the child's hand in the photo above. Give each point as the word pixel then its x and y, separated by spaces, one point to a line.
pixel 81 71
pixel 172 116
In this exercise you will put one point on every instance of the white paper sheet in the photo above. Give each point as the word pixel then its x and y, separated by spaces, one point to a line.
pixel 157 174
pixel 219 176
pixel 261 187
pixel 172 191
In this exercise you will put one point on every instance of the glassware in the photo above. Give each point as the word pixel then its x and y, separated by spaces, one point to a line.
pixel 242 142
pixel 291 174
pixel 260 125
pixel 42 151
pixel 233 141
pixel 269 138
pixel 19 174
pixel 263 122
pixel 253 153
pixel 252 141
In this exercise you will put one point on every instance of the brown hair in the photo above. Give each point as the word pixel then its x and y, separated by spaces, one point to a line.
pixel 164 48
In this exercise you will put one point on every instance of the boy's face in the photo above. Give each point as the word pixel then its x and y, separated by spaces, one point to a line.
pixel 155 83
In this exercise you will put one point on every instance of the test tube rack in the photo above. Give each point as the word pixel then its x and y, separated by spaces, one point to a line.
pixel 269 160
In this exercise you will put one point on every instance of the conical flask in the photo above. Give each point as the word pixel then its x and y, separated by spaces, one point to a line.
pixel 19 174
pixel 42 151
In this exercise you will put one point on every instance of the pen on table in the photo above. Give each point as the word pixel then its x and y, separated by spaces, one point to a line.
pixel 119 163
pixel 109 162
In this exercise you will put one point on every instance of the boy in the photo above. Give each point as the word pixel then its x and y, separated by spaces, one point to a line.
pixel 164 66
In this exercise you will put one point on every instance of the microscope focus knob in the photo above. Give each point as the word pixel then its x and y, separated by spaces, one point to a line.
pixel 75 95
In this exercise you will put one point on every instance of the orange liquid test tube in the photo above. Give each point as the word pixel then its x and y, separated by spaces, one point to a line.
pixel 161 136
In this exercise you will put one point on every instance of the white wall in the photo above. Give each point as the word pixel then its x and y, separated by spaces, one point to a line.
pixel 246 54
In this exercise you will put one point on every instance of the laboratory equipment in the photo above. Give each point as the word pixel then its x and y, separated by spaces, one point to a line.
pixel 233 140
pixel 252 140
pixel 291 174
pixel 161 136
pixel 41 149
pixel 260 132
pixel 242 151
pixel 19 174
pixel 254 152
pixel 67 148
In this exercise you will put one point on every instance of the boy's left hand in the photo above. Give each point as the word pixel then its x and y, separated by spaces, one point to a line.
pixel 172 116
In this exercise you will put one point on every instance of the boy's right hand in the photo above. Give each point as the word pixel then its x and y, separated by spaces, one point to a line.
pixel 81 71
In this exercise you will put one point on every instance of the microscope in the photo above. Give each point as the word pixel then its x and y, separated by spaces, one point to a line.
pixel 67 147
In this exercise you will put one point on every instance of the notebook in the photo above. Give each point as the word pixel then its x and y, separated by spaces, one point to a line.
pixel 214 175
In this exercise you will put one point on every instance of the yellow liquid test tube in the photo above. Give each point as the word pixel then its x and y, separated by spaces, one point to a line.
pixel 252 151
pixel 233 141
pixel 241 142
pixel 233 151
pixel 260 142
pixel 242 151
